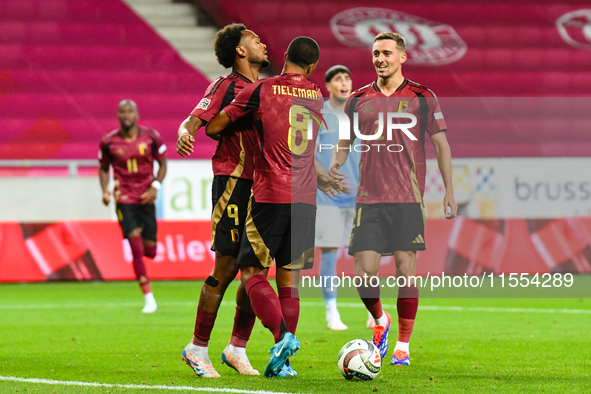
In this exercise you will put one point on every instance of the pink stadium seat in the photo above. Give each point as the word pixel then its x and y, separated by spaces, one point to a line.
pixel 66 64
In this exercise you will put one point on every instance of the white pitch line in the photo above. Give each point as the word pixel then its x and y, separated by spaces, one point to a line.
pixel 467 308
pixel 137 386
pixel 303 303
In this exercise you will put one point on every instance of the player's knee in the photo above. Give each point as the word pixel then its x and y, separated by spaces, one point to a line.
pixel 136 233
pixel 246 273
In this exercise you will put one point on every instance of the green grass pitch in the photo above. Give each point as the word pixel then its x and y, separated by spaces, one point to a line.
pixel 94 332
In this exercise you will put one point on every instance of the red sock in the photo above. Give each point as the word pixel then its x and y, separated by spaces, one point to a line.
pixel 407 305
pixel 243 324
pixel 150 251
pixel 203 326
pixel 371 298
pixel 137 251
pixel 266 305
pixel 289 298
pixel 146 286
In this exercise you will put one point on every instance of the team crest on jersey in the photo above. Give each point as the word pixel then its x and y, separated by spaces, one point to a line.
pixel 403 106
pixel 428 43
pixel 575 28
pixel 119 152
pixel 204 103
pixel 143 148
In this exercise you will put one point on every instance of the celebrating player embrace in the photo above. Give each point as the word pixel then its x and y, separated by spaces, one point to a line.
pixel 239 48
pixel 282 211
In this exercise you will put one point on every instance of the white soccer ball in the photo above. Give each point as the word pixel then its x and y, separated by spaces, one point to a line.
pixel 359 360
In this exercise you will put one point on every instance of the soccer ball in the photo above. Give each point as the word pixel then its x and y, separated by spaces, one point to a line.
pixel 359 360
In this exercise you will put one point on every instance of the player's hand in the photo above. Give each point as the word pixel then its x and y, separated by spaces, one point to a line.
pixel 333 171
pixel 348 187
pixel 330 186
pixel 106 198
pixel 116 190
pixel 184 145
pixel 149 195
pixel 450 208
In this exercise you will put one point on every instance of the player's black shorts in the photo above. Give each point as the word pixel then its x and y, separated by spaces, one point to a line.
pixel 132 216
pixel 284 232
pixel 386 228
pixel 229 197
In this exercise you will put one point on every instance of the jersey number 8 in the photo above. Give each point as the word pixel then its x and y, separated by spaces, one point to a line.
pixel 298 124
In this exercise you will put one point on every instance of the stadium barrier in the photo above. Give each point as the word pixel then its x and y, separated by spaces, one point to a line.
pixel 94 250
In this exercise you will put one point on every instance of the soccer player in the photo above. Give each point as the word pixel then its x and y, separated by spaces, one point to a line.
pixel 131 151
pixel 334 217
pixel 241 49
pixel 280 221
pixel 389 216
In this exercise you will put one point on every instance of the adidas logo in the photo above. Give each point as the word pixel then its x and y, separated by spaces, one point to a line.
pixel 419 240
pixel 368 110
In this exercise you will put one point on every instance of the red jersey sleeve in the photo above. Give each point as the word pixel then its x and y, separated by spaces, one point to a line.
pixel 211 103
pixel 435 122
pixel 160 148
pixel 248 100
pixel 103 154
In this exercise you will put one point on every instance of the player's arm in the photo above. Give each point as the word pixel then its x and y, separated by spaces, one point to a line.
pixel 245 102
pixel 326 183
pixel 186 135
pixel 149 196
pixel 443 154
pixel 339 157
pixel 219 122
pixel 104 180
pixel 340 154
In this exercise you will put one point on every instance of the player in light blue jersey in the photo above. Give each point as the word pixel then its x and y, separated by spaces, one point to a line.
pixel 334 216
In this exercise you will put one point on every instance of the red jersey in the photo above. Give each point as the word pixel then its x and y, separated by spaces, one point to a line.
pixel 132 161
pixel 392 169
pixel 281 106
pixel 234 153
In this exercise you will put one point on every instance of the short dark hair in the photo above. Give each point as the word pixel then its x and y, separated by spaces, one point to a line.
pixel 303 51
pixel 400 41
pixel 334 70
pixel 225 43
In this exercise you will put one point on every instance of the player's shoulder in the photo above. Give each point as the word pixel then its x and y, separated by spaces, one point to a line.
pixel 218 83
pixel 367 89
pixel 110 136
pixel 237 78
pixel 149 132
pixel 419 89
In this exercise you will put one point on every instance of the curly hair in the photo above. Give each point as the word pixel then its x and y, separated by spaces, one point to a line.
pixel 225 43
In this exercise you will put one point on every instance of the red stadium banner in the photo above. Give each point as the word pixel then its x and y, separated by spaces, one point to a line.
pixel 94 250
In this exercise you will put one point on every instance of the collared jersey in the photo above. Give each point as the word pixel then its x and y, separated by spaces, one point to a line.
pixel 281 107
pixel 132 161
pixel 234 153
pixel 392 169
